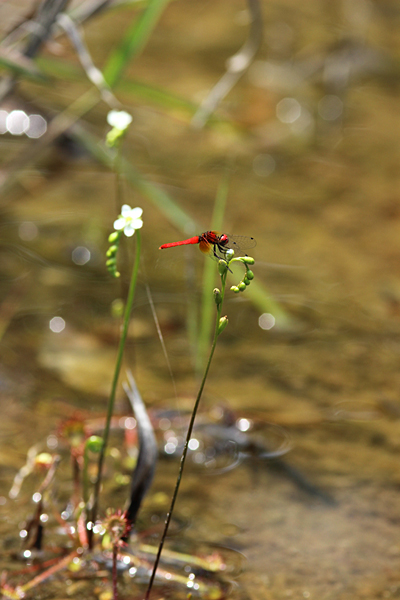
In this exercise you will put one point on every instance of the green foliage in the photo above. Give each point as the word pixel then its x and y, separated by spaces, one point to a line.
pixel 133 41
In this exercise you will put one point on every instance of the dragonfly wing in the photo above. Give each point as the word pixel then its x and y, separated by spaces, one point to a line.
pixel 238 243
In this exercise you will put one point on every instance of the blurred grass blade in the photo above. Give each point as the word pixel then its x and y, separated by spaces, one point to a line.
pixel 158 96
pixel 134 40
pixel 207 301
pixel 146 463
pixel 174 213
pixel 20 65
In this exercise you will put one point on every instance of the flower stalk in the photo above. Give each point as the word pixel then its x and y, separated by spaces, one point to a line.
pixel 124 222
pixel 220 325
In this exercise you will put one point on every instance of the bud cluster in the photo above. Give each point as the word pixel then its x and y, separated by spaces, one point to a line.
pixel 111 263
pixel 248 276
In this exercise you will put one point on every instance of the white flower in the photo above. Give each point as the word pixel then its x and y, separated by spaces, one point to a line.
pixel 129 220
pixel 119 119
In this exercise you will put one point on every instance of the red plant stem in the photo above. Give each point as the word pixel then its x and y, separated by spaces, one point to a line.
pixel 114 572
pixel 64 562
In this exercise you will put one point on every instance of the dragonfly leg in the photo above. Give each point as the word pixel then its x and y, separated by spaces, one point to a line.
pixel 221 256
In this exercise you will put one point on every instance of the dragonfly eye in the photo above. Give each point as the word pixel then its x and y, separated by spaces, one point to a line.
pixel 223 240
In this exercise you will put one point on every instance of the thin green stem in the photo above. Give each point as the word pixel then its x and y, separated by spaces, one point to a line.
pixel 127 314
pixel 118 178
pixel 188 437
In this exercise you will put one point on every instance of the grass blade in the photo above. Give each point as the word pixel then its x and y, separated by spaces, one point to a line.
pixel 166 205
pixel 207 302
pixel 134 40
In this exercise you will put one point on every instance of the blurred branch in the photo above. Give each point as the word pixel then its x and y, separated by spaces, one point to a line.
pixel 93 73
pixel 91 8
pixel 237 66
pixel 41 27
pixel 47 15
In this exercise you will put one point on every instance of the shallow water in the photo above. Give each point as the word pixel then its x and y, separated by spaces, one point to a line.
pixel 322 199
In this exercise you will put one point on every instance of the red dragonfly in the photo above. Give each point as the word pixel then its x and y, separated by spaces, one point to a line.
pixel 212 240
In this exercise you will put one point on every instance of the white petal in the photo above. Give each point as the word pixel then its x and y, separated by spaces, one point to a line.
pixel 125 119
pixel 119 224
pixel 119 119
pixel 136 223
pixel 126 210
pixel 136 212
pixel 112 118
pixel 129 230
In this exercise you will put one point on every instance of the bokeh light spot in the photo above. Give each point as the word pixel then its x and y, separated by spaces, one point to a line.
pixel 3 119
pixel 37 127
pixel 330 107
pixel 194 444
pixel 17 122
pixel 288 110
pixel 57 324
pixel 243 424
pixel 80 255
pixel 266 321
pixel 264 165
pixel 27 231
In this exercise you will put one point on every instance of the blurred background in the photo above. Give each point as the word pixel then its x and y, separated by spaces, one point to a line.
pixel 299 133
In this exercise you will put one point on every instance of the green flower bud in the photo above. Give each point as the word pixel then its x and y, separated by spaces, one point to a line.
pixel 217 296
pixel 111 262
pixel 112 250
pixel 114 236
pixel 242 286
pixel 223 322
pixel 222 266
pixel 247 260
pixel 235 289
pixel 250 274
pixel 246 281
pixel 94 443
